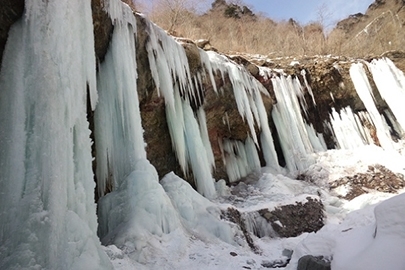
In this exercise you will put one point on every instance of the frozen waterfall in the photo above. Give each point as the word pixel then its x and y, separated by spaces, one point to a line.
pixel 47 211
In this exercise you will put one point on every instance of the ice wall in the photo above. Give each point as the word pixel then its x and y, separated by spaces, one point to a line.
pixel 47 211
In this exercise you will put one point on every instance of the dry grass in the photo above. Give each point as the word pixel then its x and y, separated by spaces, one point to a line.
pixel 261 35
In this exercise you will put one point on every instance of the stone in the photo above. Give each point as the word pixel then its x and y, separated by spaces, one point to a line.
pixel 294 219
pixel 309 262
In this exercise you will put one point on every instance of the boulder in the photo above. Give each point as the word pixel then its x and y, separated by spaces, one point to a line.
pixel 309 262
pixel 294 219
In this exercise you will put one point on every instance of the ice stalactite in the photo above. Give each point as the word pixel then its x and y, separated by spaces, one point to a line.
pixel 136 206
pixel 348 129
pixel 171 74
pixel 241 158
pixel 243 85
pixel 47 211
pixel 118 129
pixel 199 159
pixel 390 82
pixel 296 142
pixel 247 91
pixel 363 89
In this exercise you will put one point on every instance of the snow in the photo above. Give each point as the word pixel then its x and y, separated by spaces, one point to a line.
pixel 204 241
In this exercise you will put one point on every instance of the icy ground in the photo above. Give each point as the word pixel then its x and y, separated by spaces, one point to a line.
pixel 349 229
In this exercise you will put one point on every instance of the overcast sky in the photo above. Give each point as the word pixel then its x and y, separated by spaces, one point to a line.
pixel 305 11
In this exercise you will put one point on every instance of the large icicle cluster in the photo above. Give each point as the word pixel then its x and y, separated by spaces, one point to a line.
pixel 117 121
pixel 171 74
pixel 297 138
pixel 240 158
pixel 247 92
pixel 354 129
pixel 47 211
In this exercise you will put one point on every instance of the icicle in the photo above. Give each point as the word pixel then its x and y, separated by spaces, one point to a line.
pixel 240 158
pixel 290 124
pixel 244 88
pixel 252 156
pixel 346 129
pixel 205 137
pixel 390 82
pixel 205 60
pixel 266 138
pixel 363 89
pixel 118 128
pixel 304 73
pixel 197 154
pixel 175 122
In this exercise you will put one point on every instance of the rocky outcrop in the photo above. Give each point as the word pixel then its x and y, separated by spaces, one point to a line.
pixel 294 219
pixel 377 178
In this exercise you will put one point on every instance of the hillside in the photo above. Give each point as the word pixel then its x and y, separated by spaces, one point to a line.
pixel 235 28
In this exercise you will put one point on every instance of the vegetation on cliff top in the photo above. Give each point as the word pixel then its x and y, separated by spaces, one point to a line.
pixel 234 27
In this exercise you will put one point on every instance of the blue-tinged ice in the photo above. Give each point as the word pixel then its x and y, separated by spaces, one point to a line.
pixel 198 158
pixel 47 211
pixel 118 128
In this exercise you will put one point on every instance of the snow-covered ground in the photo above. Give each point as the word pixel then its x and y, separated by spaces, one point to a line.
pixel 349 237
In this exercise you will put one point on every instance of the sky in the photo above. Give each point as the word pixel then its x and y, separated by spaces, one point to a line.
pixel 305 11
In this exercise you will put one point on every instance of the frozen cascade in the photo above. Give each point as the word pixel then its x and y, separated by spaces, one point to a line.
pixel 363 89
pixel 240 158
pixel 200 164
pixel 390 82
pixel 295 140
pixel 171 74
pixel 175 122
pixel 243 86
pixel 347 129
pixel 47 211
pixel 258 225
pixel 202 122
pixel 118 129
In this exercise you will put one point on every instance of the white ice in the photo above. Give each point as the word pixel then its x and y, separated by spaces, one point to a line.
pixel 47 211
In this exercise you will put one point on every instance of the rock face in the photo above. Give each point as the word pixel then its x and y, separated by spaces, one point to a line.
pixel 328 77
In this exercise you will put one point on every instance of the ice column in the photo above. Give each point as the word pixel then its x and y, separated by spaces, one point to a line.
pixel 293 131
pixel 363 89
pixel 47 210
pixel 118 129
pixel 390 82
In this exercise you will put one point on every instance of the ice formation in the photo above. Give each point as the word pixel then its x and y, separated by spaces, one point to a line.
pixel 240 158
pixel 364 91
pixel 117 121
pixel 390 82
pixel 47 211
pixel 293 132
